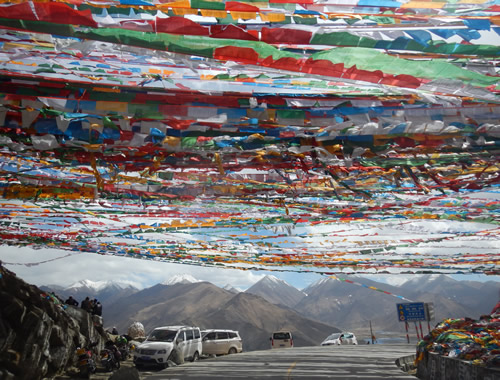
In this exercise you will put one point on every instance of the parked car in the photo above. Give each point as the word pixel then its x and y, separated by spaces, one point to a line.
pixel 221 342
pixel 281 339
pixel 340 338
pixel 165 343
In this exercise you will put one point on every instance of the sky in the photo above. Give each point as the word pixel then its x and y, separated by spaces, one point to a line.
pixel 54 266
pixel 66 270
pixel 57 267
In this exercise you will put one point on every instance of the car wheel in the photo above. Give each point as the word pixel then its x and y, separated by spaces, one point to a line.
pixel 232 350
pixel 196 356
pixel 171 357
pixel 175 357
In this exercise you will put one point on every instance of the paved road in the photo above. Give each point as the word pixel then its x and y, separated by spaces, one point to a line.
pixel 369 362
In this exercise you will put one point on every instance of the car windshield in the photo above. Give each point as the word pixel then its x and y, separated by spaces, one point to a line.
pixel 162 336
pixel 333 336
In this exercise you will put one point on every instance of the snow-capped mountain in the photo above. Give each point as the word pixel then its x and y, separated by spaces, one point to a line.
pixel 429 283
pixel 98 286
pixel 180 279
pixel 317 284
pixel 276 291
pixel 230 288
pixel 105 291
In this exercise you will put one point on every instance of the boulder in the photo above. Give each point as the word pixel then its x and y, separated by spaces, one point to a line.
pixel 136 331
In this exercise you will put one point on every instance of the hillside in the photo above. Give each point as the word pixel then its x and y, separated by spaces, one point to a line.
pixel 352 307
pixel 477 297
pixel 163 305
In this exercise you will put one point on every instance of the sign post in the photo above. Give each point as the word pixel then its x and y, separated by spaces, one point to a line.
pixel 412 312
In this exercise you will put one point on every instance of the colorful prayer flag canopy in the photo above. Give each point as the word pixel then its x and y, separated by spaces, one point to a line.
pixel 337 137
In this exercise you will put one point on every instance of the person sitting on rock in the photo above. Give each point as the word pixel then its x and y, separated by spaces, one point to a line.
pixel 71 301
pixel 86 305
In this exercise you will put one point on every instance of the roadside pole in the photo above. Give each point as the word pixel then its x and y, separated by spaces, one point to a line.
pixel 416 329
pixel 407 336
pixel 371 333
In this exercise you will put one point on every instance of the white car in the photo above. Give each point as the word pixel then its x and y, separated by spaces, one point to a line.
pixel 159 346
pixel 339 339
pixel 221 342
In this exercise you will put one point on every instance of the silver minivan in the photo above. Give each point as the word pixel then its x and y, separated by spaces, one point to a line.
pixel 281 339
pixel 167 342
pixel 221 342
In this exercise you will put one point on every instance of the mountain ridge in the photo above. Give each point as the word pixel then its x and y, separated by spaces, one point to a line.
pixel 180 279
pixel 276 291
pixel 104 291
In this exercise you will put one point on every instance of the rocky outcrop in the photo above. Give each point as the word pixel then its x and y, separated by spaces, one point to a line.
pixel 38 334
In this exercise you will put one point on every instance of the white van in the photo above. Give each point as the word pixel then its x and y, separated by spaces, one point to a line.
pixel 281 339
pixel 165 342
pixel 221 342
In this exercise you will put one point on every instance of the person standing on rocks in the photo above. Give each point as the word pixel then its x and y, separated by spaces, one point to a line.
pixel 97 309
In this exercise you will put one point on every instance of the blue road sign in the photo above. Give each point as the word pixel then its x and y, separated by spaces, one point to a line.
pixel 411 312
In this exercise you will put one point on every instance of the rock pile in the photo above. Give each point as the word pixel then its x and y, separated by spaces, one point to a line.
pixel 38 333
pixel 136 331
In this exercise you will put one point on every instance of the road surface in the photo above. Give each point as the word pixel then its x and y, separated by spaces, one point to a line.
pixel 371 362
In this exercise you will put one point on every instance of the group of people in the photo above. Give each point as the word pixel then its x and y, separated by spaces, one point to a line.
pixel 91 306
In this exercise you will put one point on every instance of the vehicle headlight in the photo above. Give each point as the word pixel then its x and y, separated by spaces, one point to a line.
pixel 161 352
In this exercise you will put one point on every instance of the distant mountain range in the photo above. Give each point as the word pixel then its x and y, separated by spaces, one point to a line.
pixel 322 308
pixel 353 307
pixel 105 291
